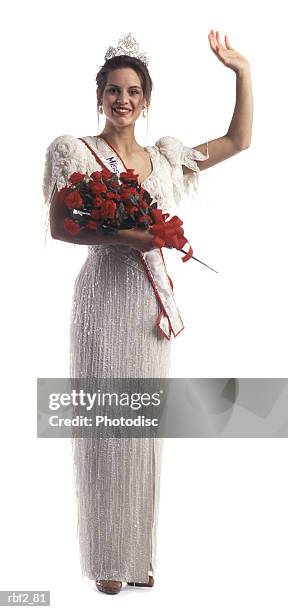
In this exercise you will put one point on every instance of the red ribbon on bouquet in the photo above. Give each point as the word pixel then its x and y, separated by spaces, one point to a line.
pixel 169 233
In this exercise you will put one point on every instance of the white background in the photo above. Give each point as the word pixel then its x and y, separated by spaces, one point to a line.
pixel 222 525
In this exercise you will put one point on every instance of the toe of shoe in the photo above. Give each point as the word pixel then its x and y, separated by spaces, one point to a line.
pixel 110 587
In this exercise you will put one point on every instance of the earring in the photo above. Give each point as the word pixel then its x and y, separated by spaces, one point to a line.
pixel 144 114
pixel 147 108
pixel 99 110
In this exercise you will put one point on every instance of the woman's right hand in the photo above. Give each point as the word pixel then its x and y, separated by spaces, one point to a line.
pixel 139 239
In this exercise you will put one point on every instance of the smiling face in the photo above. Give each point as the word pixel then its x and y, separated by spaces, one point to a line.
pixel 123 90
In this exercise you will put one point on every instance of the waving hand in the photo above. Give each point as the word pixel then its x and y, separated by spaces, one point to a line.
pixel 226 54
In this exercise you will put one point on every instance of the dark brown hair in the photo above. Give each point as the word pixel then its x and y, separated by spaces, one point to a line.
pixel 125 61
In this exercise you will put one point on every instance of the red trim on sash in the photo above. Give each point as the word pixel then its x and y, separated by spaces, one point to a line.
pixel 161 331
pixel 95 154
pixel 171 285
pixel 157 295
pixel 116 152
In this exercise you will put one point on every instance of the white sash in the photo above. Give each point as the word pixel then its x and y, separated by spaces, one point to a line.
pixel 169 319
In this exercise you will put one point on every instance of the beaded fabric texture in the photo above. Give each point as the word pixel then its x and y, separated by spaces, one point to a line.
pixel 113 334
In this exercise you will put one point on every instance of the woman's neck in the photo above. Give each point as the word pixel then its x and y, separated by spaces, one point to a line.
pixel 122 140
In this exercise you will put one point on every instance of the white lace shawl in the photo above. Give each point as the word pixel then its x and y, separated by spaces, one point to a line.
pixel 167 184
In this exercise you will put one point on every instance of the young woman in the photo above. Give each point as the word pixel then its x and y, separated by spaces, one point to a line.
pixel 122 322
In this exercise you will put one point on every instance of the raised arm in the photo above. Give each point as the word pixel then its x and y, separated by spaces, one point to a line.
pixel 238 136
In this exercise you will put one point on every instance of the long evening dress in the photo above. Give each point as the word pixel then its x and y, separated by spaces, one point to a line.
pixel 113 334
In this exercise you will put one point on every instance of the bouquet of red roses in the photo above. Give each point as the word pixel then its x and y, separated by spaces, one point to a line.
pixel 105 204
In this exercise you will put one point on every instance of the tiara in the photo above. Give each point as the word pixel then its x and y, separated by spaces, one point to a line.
pixel 127 45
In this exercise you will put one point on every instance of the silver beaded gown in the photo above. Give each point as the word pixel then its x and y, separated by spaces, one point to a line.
pixel 114 334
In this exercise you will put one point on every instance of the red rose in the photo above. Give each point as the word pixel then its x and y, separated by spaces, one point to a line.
pixel 130 209
pixel 96 176
pixel 96 213
pixel 132 190
pixel 106 173
pixel 129 175
pixel 71 226
pixel 97 187
pixel 76 177
pixel 108 210
pixel 127 192
pixel 110 195
pixel 73 200
pixel 97 200
pixel 92 224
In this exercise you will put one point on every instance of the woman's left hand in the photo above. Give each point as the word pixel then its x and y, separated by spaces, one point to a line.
pixel 227 55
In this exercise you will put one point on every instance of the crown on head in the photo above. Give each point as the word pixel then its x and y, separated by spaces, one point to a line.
pixel 127 45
